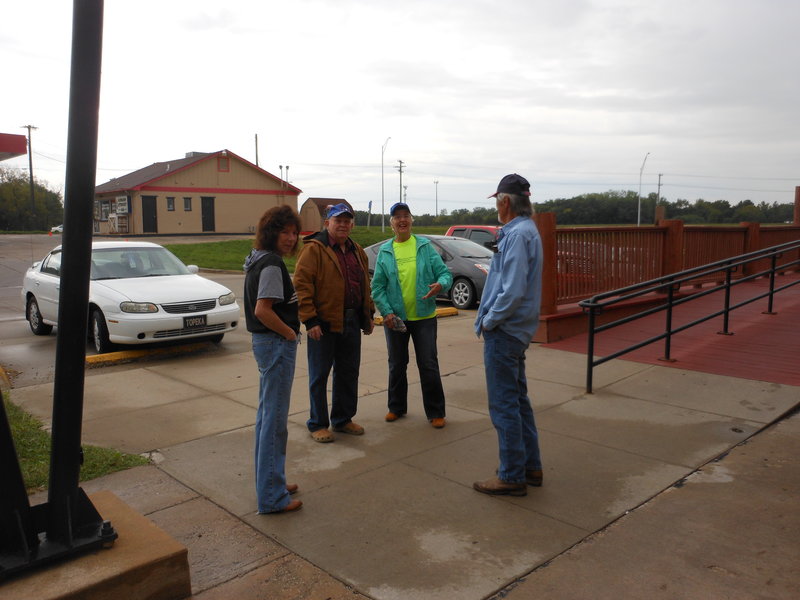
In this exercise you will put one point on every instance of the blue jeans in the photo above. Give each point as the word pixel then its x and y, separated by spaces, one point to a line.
pixel 275 357
pixel 342 352
pixel 509 406
pixel 423 334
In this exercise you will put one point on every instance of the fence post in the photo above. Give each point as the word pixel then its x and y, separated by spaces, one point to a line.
pixel 546 224
pixel 752 243
pixel 673 246
pixel 797 205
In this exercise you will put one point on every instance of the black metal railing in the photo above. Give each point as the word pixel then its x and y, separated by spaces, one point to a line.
pixel 668 287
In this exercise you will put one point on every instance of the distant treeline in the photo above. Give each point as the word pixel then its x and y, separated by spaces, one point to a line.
pixel 606 208
pixel 617 208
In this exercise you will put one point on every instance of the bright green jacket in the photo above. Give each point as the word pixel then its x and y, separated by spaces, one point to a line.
pixel 386 283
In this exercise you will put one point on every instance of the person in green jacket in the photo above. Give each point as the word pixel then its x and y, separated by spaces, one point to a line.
pixel 409 274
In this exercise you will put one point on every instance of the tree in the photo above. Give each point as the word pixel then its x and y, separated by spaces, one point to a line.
pixel 16 212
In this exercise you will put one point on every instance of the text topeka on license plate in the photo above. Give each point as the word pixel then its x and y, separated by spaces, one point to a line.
pixel 194 322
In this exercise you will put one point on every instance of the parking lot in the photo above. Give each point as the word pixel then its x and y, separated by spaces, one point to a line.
pixel 28 359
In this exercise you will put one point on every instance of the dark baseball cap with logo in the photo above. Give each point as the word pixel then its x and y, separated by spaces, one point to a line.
pixel 398 206
pixel 338 210
pixel 513 184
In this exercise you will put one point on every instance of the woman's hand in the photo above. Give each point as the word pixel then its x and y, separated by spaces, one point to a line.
pixel 435 288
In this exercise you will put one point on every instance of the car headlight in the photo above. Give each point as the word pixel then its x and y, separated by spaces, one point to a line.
pixel 138 307
pixel 228 298
pixel 483 268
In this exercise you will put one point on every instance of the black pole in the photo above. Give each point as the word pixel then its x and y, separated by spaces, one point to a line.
pixel 64 496
pixel 590 352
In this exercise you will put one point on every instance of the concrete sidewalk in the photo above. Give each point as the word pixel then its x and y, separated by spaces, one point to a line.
pixel 392 515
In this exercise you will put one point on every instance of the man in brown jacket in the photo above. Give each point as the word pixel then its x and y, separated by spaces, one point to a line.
pixel 331 278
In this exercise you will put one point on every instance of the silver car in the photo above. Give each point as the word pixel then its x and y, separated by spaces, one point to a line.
pixel 468 263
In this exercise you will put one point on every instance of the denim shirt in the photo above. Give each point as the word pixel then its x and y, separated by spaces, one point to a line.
pixel 513 290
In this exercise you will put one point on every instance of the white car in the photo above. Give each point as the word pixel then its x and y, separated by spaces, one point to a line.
pixel 139 293
pixel 57 229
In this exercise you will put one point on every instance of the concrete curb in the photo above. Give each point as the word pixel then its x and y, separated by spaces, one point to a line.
pixel 124 356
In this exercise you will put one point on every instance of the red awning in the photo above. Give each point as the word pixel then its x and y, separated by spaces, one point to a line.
pixel 12 145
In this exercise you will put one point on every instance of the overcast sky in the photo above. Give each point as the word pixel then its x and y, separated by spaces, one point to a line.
pixel 572 94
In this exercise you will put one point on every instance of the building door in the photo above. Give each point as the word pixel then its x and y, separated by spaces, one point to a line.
pixel 207 213
pixel 149 217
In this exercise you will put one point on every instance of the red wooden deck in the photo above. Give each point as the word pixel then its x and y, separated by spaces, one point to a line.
pixel 763 347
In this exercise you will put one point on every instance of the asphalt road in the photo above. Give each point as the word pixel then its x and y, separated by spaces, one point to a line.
pixel 29 359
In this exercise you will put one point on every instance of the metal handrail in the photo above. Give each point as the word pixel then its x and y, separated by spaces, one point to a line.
pixel 669 285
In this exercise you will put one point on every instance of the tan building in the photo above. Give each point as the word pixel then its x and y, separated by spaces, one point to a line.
pixel 205 192
pixel 312 213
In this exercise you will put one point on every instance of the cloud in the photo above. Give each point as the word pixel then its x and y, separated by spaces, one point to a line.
pixel 573 93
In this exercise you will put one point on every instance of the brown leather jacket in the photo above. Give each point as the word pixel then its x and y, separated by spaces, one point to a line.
pixel 319 283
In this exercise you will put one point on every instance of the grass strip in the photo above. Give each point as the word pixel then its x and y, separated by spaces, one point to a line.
pixel 229 255
pixel 33 451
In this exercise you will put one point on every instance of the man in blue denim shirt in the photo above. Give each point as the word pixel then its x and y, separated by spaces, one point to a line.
pixel 508 317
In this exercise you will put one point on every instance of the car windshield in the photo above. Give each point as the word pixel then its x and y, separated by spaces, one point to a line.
pixel 466 249
pixel 123 263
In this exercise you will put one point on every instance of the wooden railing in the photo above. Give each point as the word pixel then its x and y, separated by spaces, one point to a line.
pixel 580 262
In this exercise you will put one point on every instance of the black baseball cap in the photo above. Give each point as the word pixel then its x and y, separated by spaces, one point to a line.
pixel 513 184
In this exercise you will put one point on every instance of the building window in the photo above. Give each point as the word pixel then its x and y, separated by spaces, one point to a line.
pixel 102 208
pixel 223 164
pixel 170 203
pixel 187 204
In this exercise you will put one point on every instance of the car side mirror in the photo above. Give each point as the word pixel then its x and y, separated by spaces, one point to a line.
pixel 193 269
pixel 491 245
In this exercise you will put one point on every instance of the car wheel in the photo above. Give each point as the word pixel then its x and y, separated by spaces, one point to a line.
pixel 463 293
pixel 216 339
pixel 102 344
pixel 38 326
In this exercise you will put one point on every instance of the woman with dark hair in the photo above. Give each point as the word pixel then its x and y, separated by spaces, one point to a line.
pixel 270 307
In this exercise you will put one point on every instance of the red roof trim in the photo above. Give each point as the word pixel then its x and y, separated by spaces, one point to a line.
pixel 165 188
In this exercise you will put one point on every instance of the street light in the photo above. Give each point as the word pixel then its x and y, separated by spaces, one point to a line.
pixel 383 149
pixel 639 195
pixel 436 205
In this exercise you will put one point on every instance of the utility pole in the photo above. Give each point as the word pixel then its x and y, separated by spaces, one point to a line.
pixel 256 149
pixel 436 197
pixel 383 150
pixel 639 195
pixel 405 194
pixel 30 168
pixel 658 194
pixel 400 168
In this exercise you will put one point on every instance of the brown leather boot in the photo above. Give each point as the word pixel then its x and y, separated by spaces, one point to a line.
pixel 498 487
pixel 534 477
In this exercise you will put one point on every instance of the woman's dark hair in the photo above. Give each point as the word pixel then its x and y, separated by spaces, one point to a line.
pixel 271 223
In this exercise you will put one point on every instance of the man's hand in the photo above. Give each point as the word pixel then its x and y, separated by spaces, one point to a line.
pixel 315 332
pixel 388 320
pixel 435 289
pixel 370 327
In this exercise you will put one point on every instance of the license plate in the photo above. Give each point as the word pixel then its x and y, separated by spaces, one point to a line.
pixel 194 322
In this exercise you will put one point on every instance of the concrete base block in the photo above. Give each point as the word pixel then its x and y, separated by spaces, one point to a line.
pixel 144 563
